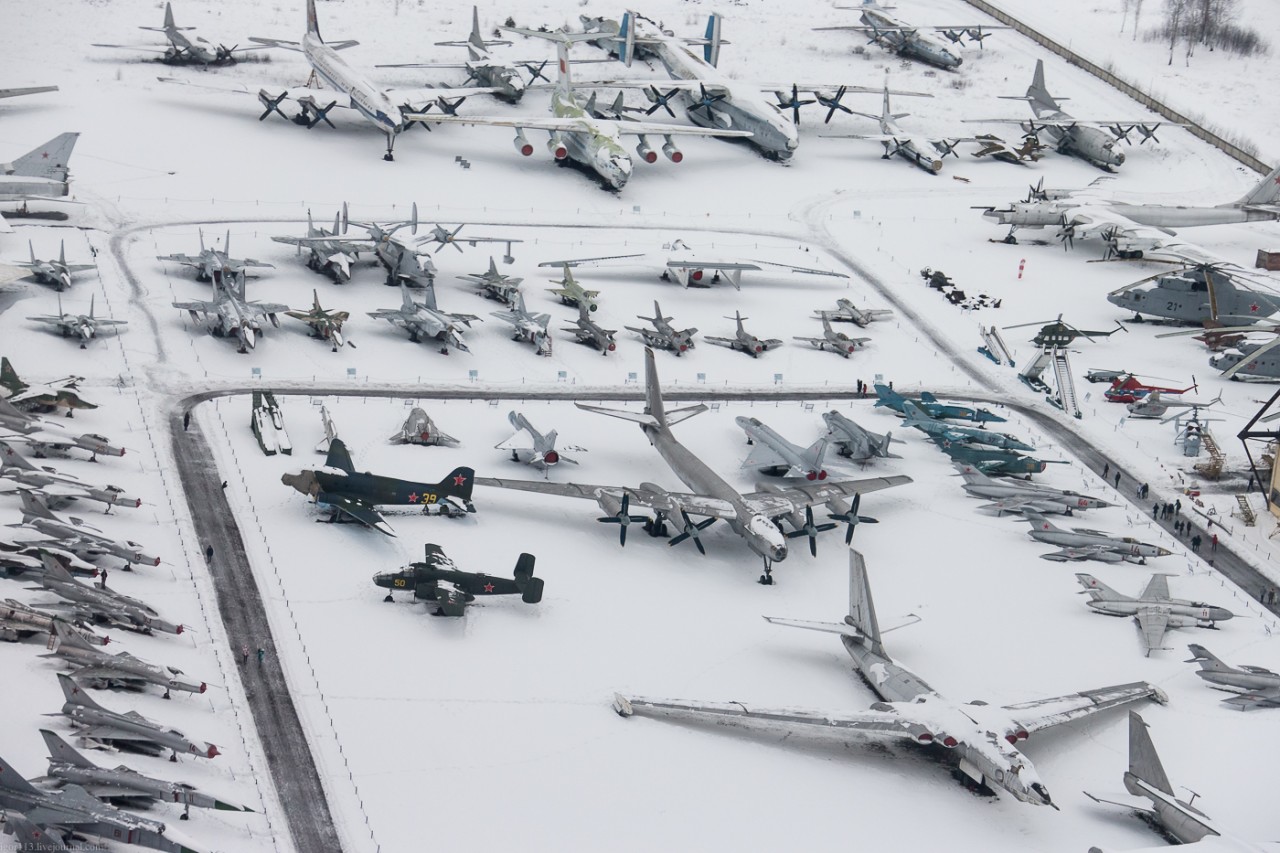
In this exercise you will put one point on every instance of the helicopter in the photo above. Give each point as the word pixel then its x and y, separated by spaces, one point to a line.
pixel 1056 333
pixel 1203 293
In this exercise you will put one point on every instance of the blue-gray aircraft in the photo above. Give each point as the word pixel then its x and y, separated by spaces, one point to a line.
pixel 981 738
pixel 744 341
pixel 182 49
pixel 854 442
pixel 54 273
pixel 921 420
pixel 907 40
pixel 130 731
pixel 1257 686
pixel 82 326
pixel 1198 293
pixel 1083 544
pixel 1154 609
pixel 886 396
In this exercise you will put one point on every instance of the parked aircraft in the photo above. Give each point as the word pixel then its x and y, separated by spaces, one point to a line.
pixel 773 454
pixel 925 153
pixel 592 334
pixel 1081 544
pixel 837 342
pixel 1179 821
pixel 886 396
pixel 29 90
pixel 750 516
pixel 495 285
pixel 130 731
pixel 908 41
pixel 1257 687
pixel 1250 359
pixel 98 604
pixel 22 552
pixel 420 429
pixel 854 442
pixel 35 433
pixel 43 396
pixel 921 420
pixel 58 489
pixel 663 335
pixel 443 236
pixel 42 172
pixel 991 145
pixel 101 669
pixel 122 785
pixel 1011 495
pixel 981 738
pixel 530 328
pixel 1154 405
pixel 402 262
pixel 845 311
pixel 989 460
pixel 578 136
pixel 743 341
pixel 27 835
pixel 217 265
pixel 325 325
pixel 1199 294
pixel 1127 388
pixel 55 273
pixel 82 326
pixel 183 50
pixel 328 252
pixel 539 450
pixel 437 579
pixel 17 620
pixel 572 293
pixel 350 495
pixel 80 537
pixel 1154 609
pixel 1056 333
pixel 230 315
pixel 424 321
pixel 690 268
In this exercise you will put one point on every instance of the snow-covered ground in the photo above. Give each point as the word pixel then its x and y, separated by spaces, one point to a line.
pixel 494 729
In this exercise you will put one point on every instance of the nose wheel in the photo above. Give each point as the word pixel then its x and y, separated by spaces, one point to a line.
pixel 766 579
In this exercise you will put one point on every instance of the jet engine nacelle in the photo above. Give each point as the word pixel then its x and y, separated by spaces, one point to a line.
pixel 646 153
pixel 556 146
pixel 522 144
pixel 672 153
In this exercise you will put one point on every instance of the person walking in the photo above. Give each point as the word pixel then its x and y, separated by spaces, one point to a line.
pixel 104 578
pixel 1177 506
pixel 262 653
pixel 244 653
pixel 1195 543
pixel 1213 543
pixel 1106 470
pixel 186 420
pixel 1117 479
pixel 208 553
pixel 1155 511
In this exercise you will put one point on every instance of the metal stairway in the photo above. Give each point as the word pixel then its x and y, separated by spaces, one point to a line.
pixel 1067 399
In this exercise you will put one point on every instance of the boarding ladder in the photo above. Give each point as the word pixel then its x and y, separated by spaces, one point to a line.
pixel 1245 512
pixel 1066 385
pixel 1035 369
pixel 994 347
pixel 1211 468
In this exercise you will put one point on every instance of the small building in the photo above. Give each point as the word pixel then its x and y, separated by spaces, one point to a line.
pixel 1268 261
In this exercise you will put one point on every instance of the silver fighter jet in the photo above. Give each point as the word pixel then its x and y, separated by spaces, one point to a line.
pixel 45 437
pixel 17 621
pixel 98 668
pixel 530 328
pixel 1154 610
pixel 773 454
pixel 217 265
pixel 1009 494
pixel 18 472
pixel 1083 544
pixel 420 429
pixel 424 321
pixel 744 341
pixel 54 273
pixel 78 536
pixel 130 731
pixel 846 311
pixel 1258 687
pixel 838 342
pixel 663 335
pixel 538 449
pixel 231 315
pixel 328 252
pixel 854 442
pixel 494 285
pixel 82 326
pixel 96 604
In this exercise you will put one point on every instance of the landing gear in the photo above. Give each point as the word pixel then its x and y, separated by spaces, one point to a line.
pixel 766 579
pixel 1009 239
pixel 388 599
pixel 656 526
pixel 166 694
pixel 391 144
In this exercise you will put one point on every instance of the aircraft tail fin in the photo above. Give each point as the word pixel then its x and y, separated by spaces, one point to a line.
pixel 31 252
pixel 339 457
pixel 1098 590
pixel 60 750
pixel 862 610
pixel 1267 191
pixel 11 458
pixel 655 413
pixel 168 17
pixel 653 404
pixel 564 79
pixel 627 39
pixel 11 780
pixel 34 507
pixel 711 50
pixel 62 252
pixel 476 39
pixel 69 637
pixel 74 694
pixel 458 484
pixel 54 569
pixel 49 160
pixel 886 396
pixel 1144 762
pixel 27 834
pixel 313 24
pixel 9 377
pixel 1037 94
pixel 529 586
pixel 1208 660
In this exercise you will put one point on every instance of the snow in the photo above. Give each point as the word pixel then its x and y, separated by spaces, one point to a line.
pixel 494 729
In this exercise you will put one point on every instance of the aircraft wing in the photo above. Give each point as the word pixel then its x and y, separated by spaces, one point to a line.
pixel 1075 553
pixel 292 93
pixel 763 456
pixel 662 501
pixel 791 267
pixel 1040 714
pixel 1018 504
pixel 1268 698
pixel 264 308
pixel 197 306
pixel 578 125
pixel 361 511
pixel 1152 623
pixel 31 90
pixel 711 339
pixel 1157 587
pixel 181 259
pixel 578 262
pixel 801 495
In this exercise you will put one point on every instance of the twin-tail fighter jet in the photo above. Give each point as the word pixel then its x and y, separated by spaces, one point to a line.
pixel 82 326
pixel 56 273
pixel 230 315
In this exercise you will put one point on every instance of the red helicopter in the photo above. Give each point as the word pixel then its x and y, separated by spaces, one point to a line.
pixel 1129 389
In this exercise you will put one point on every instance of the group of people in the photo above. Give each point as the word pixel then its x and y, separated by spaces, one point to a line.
pixel 244 654
pixel 1164 511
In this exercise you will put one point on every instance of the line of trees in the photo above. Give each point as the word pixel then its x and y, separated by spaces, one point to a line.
pixel 1200 23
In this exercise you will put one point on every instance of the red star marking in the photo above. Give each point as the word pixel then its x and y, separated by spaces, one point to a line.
pixel 1253 308
pixel 424 435
pixel 413 498
pixel 459 480
pixel 1277 180
pixel 44 155
pixel 488 587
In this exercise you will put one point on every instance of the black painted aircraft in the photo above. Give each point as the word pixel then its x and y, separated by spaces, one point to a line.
pixel 439 580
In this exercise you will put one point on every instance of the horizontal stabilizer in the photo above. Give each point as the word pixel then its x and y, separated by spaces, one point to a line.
pixel 642 418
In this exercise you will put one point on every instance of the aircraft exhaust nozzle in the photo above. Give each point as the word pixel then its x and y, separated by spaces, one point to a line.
pixel 946 740
pixel 551 457
pixel 674 154
pixel 212 751
pixel 646 153
pixel 523 145
pixel 557 148
pixel 812 475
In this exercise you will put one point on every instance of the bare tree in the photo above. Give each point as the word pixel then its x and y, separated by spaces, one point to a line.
pixel 1137 13
pixel 1175 15
pixel 1125 5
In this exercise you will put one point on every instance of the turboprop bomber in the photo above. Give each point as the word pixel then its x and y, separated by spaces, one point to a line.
pixel 182 49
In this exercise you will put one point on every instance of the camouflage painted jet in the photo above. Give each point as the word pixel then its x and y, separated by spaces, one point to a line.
pixel 989 460
pixel 183 50
pixel 100 669
pixel 921 420
pixel 1082 544
pixel 122 785
pixel 231 315
pixel 350 495
pixel 82 326
pixel 837 342
pixel 420 429
pixel 438 580
pixel 328 252
pixel 424 321
pixel 983 739
pixel 130 731
pixel 591 333
pixel 744 341
pixel 1012 495
pixel 43 396
pixel 540 450
pixel 990 145
pixel 35 433
pixel 54 273
pixel 1154 609
pixel 40 173
pixel 58 489
pixel 854 442
pixel 18 621
pixel 325 325
pixel 773 454
pixel 494 285
pixel 1258 687
pixel 95 605
pixel 217 265
pixel 886 396
pixel 847 312
pixel 663 335
pixel 531 328
pixel 572 293
pixel 78 536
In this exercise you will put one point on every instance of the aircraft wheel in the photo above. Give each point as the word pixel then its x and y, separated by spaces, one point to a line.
pixel 388 599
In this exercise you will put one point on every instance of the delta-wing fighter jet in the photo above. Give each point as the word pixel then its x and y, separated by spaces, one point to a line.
pixel 1154 609
pixel 325 325
pixel 18 620
pixel 183 50
pixel 855 443
pixel 846 312
pixel 348 494
pixel 45 438
pixel 529 328
pixel 95 604
pixel 328 252
pixel 1257 686
pixel 571 292
pixel 837 342
pixel 982 739
pixel 1083 544
pixel 41 396
pixel 82 326
pixel 97 668
pixel 773 454
pixel 1012 495
pixel 494 285
pixel 908 40
pixel 122 785
pixel 886 396
pixel 40 173
pixel 78 536
pixel 438 580
pixel 424 321
pixel 921 420
pixel 750 516
pixel 216 265
pixel 663 335
pixel 58 489
pixel 420 429
pixel 744 341
pixel 927 153
pixel 528 446
pixel 231 315
pixel 130 731
pixel 55 273
pixel 588 332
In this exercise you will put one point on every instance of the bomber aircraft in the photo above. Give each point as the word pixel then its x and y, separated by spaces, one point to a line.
pixel 437 579
pixel 907 40
pixel 183 50
pixel 41 173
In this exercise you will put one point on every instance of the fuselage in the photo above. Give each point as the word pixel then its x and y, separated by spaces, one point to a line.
pixel 902 38
pixel 1088 143
pixel 364 96
pixel 1181 820
pixel 1118 544
pixel 598 146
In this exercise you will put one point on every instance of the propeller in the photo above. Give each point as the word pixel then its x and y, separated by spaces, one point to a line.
pixel 1121 133
pixel 272 104
pixel 1067 234
pixel 811 530
pixel 691 530
pixel 1109 238
pixel 853 519
pixel 1035 192
pixel 536 73
pixel 793 103
pixel 946 146
pixel 1147 133
pixel 623 519
pixel 832 104
pixel 445 238
pixel 660 101
pixel 449 108
pixel 410 122
pixel 705 100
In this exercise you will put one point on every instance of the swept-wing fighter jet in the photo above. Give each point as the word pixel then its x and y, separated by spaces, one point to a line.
pixel 325 325
pixel 538 449
pixel 231 315
pixel 1154 609
pixel 420 429
pixel 95 604
pixel 530 328
pixel 837 342
pixel 989 460
pixel 72 811
pixel 925 153
pixel 56 273
pixel 58 489
pixel 130 731
pixel 1258 687
pixel 80 537
pixel 18 620
pixel 1082 544
pixel 854 442
pixel 102 669
pixel 750 516
pixel 40 173
pixel 921 420
pixel 183 50
pixel 328 252
pixel 572 293
pixel 494 285
pixel 886 396
pixel 983 739
pixel 217 265
pixel 438 580
pixel 82 326
pixel 990 145
pixel 22 552
pixel 1147 782
pixel 1202 293
pixel 43 396
pixel 846 312
pixel 579 137
pixel 122 785
pixel 743 341
pixel 27 835
pixel 424 321
pixel 1012 495
pixel 908 41
pixel 36 434
pixel 773 454
pixel 663 335
pixel 592 334
pixel 351 495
